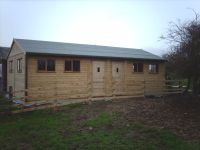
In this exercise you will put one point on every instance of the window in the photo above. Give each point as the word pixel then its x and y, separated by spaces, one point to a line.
pixel 153 68
pixel 41 65
pixel 117 69
pixel 46 65
pixel 50 65
pixel 68 65
pixel 10 66
pixel 19 65
pixel 72 65
pixel 138 67
pixel 98 69
pixel 76 65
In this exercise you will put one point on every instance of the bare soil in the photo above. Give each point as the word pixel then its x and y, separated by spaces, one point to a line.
pixel 179 114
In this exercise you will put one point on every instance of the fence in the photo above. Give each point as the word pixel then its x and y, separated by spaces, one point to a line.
pixel 57 91
pixel 164 87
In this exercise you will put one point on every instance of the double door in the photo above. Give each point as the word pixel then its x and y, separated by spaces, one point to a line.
pixel 99 78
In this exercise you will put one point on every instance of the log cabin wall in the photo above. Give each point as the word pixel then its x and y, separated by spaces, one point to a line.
pixel 96 78
pixel 15 78
pixel 57 84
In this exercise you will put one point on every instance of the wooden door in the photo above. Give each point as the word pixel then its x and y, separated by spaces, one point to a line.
pixel 118 78
pixel 98 78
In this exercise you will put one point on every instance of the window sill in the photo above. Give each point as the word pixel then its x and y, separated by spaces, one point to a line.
pixel 138 72
pixel 71 71
pixel 153 72
pixel 46 72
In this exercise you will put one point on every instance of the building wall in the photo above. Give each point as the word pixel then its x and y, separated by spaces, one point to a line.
pixel 65 84
pixel 154 83
pixel 62 85
pixel 3 78
pixel 139 83
pixel 16 80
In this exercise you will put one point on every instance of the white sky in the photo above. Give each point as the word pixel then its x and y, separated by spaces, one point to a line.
pixel 121 23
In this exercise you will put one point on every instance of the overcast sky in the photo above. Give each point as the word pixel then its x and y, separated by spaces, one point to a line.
pixel 121 23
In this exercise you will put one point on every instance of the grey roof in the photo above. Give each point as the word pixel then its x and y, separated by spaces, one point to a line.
pixel 4 52
pixel 57 48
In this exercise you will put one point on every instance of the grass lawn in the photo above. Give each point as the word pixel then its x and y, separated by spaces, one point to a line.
pixel 76 127
pixel 4 105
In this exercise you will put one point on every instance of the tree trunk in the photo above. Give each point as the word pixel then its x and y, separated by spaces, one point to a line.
pixel 195 84
pixel 198 92
pixel 188 85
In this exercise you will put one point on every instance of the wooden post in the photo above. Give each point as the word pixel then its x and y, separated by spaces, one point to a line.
pixel 125 75
pixel 144 82
pixel 89 77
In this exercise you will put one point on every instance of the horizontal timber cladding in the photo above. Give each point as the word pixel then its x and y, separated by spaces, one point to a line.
pixel 96 78
pixel 15 78
pixel 51 85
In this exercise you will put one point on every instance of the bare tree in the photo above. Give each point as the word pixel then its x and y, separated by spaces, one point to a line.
pixel 184 59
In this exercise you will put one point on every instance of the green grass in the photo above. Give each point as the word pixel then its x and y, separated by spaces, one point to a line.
pixel 5 105
pixel 60 130
pixel 101 120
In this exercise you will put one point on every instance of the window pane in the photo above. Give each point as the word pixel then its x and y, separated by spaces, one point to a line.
pixel 68 65
pixel 153 68
pixel 135 67
pixel 98 69
pixel 76 65
pixel 117 69
pixel 156 67
pixel 18 65
pixel 50 65
pixel 10 66
pixel 19 68
pixel 140 67
pixel 150 68
pixel 41 64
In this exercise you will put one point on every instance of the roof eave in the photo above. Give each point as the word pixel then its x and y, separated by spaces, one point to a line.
pixel 86 56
